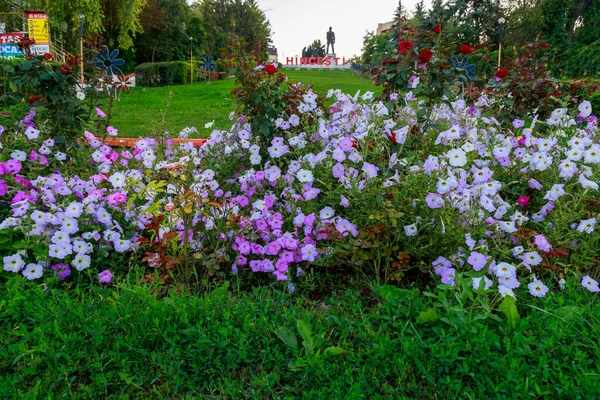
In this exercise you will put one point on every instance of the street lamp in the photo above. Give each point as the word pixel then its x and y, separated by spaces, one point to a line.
pixel 501 22
pixel 191 60
pixel 81 81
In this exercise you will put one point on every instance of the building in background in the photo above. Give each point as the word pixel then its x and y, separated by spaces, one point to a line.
pixel 273 57
pixel 384 27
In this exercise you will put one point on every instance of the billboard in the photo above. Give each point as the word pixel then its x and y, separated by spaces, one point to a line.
pixel 8 45
pixel 37 28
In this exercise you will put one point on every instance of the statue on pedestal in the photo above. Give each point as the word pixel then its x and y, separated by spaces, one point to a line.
pixel 330 41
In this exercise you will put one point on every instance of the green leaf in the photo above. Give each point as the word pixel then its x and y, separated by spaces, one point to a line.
pixel 26 65
pixel 287 336
pixel 390 294
pixel 427 316
pixel 305 331
pixel 333 351
pixel 448 93
pixel 509 308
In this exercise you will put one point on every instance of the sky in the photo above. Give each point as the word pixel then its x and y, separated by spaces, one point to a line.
pixel 297 23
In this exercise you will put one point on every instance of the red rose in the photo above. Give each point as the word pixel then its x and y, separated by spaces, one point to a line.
pixel 33 99
pixel 392 137
pixel 425 56
pixel 405 46
pixel 271 69
pixel 465 49
pixel 501 73
pixel 48 56
pixel 437 29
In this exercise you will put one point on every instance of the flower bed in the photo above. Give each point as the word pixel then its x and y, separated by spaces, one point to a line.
pixel 359 185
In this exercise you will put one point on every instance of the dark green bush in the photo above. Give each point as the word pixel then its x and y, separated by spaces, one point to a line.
pixel 147 75
pixel 165 73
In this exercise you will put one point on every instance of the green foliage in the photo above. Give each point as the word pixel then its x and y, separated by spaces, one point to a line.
pixel 315 49
pixel 165 73
pixel 47 87
pixel 243 18
pixel 116 20
pixel 127 343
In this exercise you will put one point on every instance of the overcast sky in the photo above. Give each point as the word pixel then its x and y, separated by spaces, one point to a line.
pixel 296 23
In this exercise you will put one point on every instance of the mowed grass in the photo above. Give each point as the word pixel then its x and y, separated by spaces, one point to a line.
pixel 139 112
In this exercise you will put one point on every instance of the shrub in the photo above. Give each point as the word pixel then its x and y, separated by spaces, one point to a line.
pixel 147 75
pixel 165 73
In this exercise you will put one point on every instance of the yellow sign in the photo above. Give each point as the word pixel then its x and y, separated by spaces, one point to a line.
pixel 37 26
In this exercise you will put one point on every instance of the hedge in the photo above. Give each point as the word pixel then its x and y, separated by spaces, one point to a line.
pixel 164 73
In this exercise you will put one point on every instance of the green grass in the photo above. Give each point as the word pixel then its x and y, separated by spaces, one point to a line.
pixel 126 343
pixel 138 111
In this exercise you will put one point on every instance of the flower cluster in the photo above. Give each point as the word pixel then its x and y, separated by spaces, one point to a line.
pixel 508 206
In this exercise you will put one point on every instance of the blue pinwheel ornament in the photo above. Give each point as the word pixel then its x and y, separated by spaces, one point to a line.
pixel 208 65
pixel 465 67
pixel 108 61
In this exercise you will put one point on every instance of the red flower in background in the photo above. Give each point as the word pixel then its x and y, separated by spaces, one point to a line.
pixel 271 69
pixel 437 29
pixel 48 56
pixel 425 56
pixel 405 46
pixel 465 49
pixel 33 99
pixel 501 73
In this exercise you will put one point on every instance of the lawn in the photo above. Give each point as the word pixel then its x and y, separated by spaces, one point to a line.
pixel 126 343
pixel 138 111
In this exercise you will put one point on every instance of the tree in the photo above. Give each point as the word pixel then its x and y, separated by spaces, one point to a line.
pixel 420 12
pixel 166 25
pixel 117 20
pixel 316 49
pixel 475 21
pixel 400 10
pixel 241 17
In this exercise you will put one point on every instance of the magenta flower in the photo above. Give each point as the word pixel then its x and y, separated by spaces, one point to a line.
pixel 100 113
pixel 116 198
pixel 523 200
pixel 3 188
pixel 12 166
pixel 105 276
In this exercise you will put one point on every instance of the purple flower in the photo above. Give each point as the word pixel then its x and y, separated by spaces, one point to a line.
pixel 535 184
pixel 537 288
pixel 370 170
pixel 477 260
pixel 273 248
pixel 12 166
pixel 434 200
pixel 105 276
pixel 3 188
pixel 309 253
pixel 61 270
pixel 542 243
pixel 337 170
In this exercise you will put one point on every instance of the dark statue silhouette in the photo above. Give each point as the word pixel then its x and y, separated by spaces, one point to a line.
pixel 330 41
